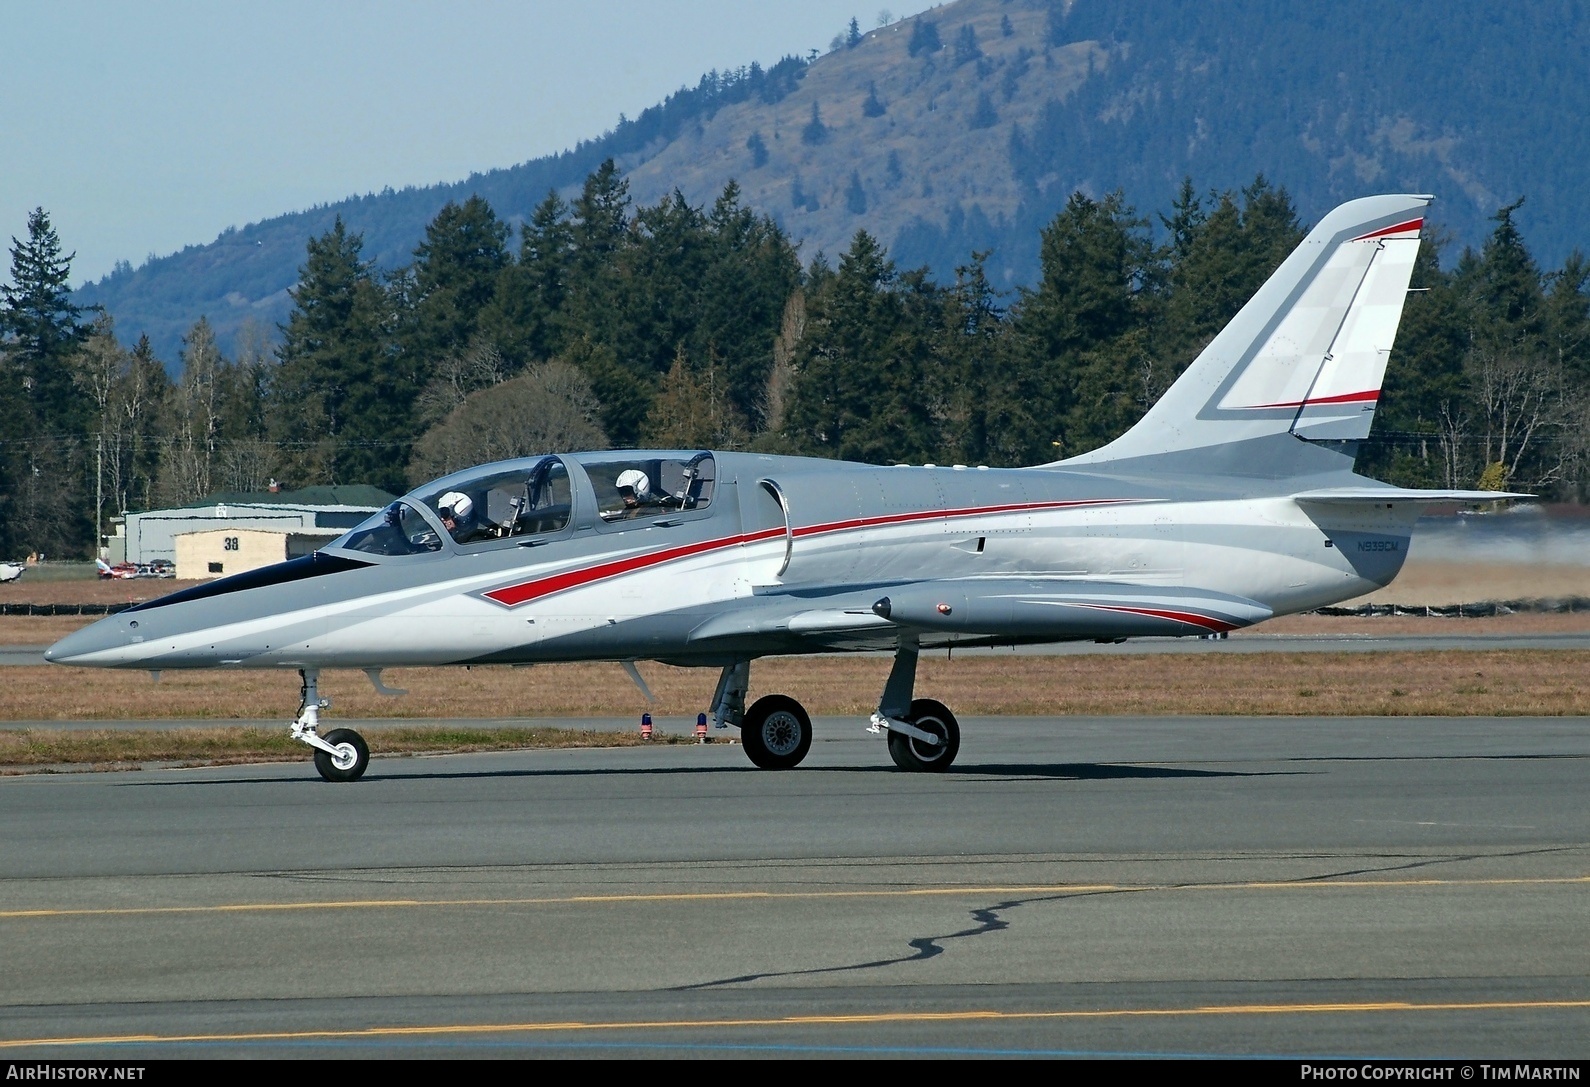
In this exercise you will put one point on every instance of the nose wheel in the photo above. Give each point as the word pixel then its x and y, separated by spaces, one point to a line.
pixel 347 759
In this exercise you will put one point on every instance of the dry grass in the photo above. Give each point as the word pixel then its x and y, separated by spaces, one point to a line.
pixel 90 590
pixel 1510 682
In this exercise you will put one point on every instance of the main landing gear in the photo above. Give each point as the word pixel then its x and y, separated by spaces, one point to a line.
pixel 923 734
pixel 776 731
pixel 341 754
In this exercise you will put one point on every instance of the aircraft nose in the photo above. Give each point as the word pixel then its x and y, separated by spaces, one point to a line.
pixel 81 646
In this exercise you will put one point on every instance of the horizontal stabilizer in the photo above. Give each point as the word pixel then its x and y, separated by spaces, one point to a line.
pixel 1359 496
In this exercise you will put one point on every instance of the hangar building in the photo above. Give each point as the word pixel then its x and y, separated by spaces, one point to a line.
pixel 317 513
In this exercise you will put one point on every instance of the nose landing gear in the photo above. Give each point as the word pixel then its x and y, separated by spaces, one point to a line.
pixel 342 754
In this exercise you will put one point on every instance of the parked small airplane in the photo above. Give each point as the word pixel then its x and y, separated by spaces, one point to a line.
pixel 123 571
pixel 11 571
pixel 1232 501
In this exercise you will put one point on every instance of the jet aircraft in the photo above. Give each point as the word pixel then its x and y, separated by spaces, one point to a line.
pixel 1233 500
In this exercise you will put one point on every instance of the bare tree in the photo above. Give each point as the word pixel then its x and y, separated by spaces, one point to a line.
pixel 1520 394
pixel 480 366
pixel 194 415
pixel 548 408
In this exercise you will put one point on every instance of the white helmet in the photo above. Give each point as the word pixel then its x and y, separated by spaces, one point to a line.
pixel 455 505
pixel 635 480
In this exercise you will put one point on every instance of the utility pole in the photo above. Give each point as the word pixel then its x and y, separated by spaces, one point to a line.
pixel 99 489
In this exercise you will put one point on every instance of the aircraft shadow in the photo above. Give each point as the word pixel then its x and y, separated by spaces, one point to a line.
pixel 990 771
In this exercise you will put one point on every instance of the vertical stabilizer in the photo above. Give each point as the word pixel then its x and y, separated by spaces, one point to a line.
pixel 1304 359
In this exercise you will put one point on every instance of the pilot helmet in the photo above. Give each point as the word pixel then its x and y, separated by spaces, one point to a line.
pixel 454 505
pixel 635 481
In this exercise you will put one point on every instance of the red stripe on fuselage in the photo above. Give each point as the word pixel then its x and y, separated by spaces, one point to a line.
pixel 513 595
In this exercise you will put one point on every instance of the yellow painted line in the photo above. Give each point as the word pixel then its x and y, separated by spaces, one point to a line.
pixel 744 896
pixel 871 1019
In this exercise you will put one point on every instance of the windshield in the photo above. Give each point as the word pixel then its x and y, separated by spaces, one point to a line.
pixel 497 503
pixel 400 529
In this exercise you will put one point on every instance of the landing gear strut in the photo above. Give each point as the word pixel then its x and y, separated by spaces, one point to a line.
pixel 342 754
pixel 775 732
pixel 923 734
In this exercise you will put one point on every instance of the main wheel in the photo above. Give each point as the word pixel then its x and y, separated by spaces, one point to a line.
pixel 351 759
pixel 909 753
pixel 776 733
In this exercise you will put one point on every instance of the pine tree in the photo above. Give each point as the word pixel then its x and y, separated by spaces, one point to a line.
pixel 599 230
pixel 873 106
pixel 968 383
pixel 43 328
pixel 924 38
pixel 40 335
pixel 1075 334
pixel 858 391
pixel 856 195
pixel 1220 256
pixel 456 271
pixel 815 131
pixel 525 319
pixel 342 405
pixel 966 47
pixel 750 274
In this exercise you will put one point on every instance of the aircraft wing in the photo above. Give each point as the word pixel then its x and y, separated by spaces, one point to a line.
pixel 1358 496
pixel 992 608
pixel 788 619
pixel 1054 608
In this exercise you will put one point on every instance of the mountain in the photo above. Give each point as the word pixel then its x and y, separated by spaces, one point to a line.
pixel 967 127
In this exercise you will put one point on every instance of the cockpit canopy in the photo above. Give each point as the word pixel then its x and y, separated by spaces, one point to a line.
pixel 532 497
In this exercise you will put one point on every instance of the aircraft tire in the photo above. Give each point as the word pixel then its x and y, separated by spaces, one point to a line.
pixel 909 753
pixel 343 738
pixel 776 732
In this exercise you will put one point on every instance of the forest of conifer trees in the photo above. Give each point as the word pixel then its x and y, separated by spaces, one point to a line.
pixel 603 324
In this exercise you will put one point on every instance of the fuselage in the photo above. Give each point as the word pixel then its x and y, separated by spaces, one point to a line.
pixel 757 561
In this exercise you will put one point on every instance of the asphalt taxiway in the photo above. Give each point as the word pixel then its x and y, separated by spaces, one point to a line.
pixel 1391 887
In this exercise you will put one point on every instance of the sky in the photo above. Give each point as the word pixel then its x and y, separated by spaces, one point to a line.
pixel 141 128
